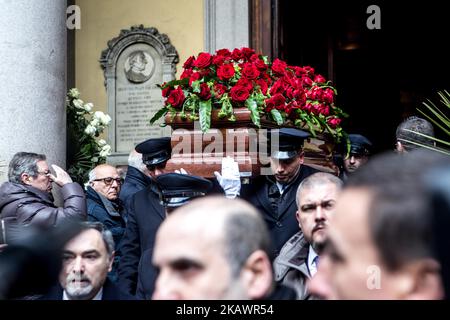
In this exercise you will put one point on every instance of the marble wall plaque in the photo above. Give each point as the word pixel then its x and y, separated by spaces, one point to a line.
pixel 134 64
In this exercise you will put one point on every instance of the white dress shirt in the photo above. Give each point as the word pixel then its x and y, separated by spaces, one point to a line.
pixel 312 267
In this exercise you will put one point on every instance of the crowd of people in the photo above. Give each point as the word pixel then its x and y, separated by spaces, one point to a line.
pixel 375 231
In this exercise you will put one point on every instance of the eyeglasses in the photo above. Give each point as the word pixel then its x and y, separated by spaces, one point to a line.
pixel 108 180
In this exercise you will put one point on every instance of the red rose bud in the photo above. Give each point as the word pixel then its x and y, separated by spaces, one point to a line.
pixel 319 79
pixel 334 122
pixel 239 93
pixel 250 71
pixel 279 67
pixel 306 107
pixel 189 63
pixel 279 101
pixel 176 98
pixel 247 52
pixel 186 74
pixel 219 90
pixel 203 60
pixel 205 93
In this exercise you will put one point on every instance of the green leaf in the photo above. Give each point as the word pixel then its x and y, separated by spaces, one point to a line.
pixel 161 112
pixel 276 115
pixel 182 82
pixel 196 86
pixel 253 107
pixel 205 115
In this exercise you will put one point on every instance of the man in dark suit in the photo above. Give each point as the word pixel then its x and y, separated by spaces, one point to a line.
pixel 87 259
pixel 145 214
pixel 274 195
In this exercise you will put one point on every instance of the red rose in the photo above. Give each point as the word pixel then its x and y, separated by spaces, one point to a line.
pixel 203 60
pixel 224 53
pixel 237 55
pixel 176 98
pixel 186 73
pixel 239 93
pixel 334 122
pixel 278 101
pixel 328 95
pixel 307 82
pixel 218 60
pixel 247 52
pixel 225 72
pixel 242 82
pixel 194 77
pixel 250 71
pixel 189 63
pixel 279 67
pixel 263 85
pixel 166 91
pixel 319 79
pixel 219 90
pixel 278 87
pixel 205 93
pixel 309 70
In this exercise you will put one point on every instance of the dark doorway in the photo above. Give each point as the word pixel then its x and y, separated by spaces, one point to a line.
pixel 383 75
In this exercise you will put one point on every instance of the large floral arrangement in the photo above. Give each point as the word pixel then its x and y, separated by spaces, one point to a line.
pixel 85 148
pixel 276 91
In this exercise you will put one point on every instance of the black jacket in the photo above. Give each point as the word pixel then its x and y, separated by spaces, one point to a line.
pixel 28 205
pixel 136 273
pixel 134 181
pixel 282 224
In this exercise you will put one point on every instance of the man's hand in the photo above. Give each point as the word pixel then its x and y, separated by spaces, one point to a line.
pixel 61 178
pixel 230 179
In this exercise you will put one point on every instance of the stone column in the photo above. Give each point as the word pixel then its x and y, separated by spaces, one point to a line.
pixel 226 24
pixel 32 79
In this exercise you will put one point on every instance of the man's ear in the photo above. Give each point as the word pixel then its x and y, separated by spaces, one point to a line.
pixel 297 216
pixel 426 280
pixel 25 178
pixel 256 275
pixel 301 156
pixel 111 260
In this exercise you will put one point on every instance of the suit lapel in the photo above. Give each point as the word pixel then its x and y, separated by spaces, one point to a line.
pixel 262 196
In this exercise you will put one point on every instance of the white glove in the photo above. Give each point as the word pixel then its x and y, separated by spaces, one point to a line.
pixel 229 180
pixel 181 171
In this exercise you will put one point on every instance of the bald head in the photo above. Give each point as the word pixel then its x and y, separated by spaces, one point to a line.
pixel 216 237
pixel 105 180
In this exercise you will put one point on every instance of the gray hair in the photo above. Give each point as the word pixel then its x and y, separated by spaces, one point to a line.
pixel 135 160
pixel 244 234
pixel 107 236
pixel 316 179
pixel 24 162
pixel 415 124
pixel 92 175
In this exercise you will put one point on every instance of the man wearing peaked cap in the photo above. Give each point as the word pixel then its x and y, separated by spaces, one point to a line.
pixel 176 189
pixel 359 154
pixel 145 214
pixel 274 195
